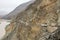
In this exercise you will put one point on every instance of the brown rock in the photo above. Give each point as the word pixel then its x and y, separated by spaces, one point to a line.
pixel 35 23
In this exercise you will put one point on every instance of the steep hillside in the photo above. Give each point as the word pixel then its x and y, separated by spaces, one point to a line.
pixel 17 10
pixel 38 22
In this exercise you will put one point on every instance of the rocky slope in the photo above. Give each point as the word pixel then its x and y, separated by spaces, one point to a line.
pixel 17 10
pixel 38 22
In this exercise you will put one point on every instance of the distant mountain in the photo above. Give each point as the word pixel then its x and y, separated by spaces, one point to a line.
pixel 3 13
pixel 1 16
pixel 17 10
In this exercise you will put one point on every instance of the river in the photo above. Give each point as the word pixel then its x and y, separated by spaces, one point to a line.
pixel 3 24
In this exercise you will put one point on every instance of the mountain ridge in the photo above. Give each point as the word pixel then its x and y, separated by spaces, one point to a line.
pixel 17 10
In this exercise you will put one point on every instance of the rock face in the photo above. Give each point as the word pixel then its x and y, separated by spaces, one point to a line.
pixel 38 22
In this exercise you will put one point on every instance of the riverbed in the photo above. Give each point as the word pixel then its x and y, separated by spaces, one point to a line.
pixel 3 24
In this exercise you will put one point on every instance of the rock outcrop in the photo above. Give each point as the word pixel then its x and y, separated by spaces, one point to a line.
pixel 38 22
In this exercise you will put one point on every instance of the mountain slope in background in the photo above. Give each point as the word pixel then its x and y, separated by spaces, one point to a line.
pixel 3 13
pixel 17 10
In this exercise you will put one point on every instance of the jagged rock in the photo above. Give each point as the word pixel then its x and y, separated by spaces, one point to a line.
pixel 35 23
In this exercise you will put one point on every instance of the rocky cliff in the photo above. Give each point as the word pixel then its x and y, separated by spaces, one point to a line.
pixel 40 21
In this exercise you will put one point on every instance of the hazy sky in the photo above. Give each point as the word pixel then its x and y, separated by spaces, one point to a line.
pixel 8 5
